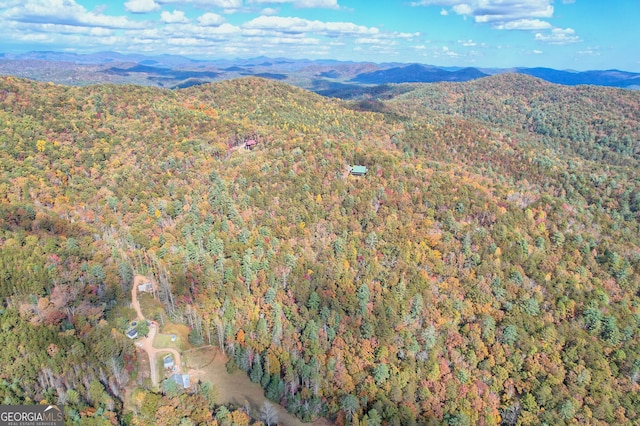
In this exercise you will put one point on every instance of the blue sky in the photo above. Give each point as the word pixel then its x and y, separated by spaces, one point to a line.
pixel 563 34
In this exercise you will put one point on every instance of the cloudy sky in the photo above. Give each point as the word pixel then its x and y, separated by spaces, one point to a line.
pixel 564 34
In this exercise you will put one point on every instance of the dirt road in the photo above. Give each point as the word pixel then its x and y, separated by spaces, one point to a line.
pixel 137 280
pixel 146 343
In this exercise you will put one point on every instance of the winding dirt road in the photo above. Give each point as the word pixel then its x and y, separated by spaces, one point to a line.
pixel 146 343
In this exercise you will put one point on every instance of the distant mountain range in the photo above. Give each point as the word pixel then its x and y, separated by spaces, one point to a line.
pixel 614 78
pixel 416 73
pixel 323 76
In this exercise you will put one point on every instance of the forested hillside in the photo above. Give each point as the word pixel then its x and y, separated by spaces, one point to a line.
pixel 594 123
pixel 485 270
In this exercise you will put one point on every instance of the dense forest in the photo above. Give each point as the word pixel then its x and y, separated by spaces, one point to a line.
pixel 485 270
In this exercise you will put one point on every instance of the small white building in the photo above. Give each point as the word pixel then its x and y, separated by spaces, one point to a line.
pixel 145 287
pixel 168 361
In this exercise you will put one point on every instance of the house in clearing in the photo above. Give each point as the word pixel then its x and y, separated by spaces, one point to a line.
pixel 358 170
pixel 145 287
pixel 168 361
pixel 182 380
pixel 250 144
pixel 132 333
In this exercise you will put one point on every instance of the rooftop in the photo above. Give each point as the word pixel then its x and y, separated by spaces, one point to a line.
pixel 182 380
pixel 359 170
pixel 168 361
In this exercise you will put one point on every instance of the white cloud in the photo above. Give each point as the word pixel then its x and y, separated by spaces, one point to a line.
pixel 186 30
pixel 496 12
pixel 227 6
pixel 404 35
pixel 589 52
pixel 268 11
pixel 4 4
pixel 467 43
pixel 100 32
pixel 175 17
pixel 223 4
pixel 294 40
pixel 376 41
pixel 74 29
pixel 537 52
pixel 558 36
pixel 463 9
pixel 448 52
pixel 436 2
pixel 328 4
pixel 148 34
pixel 292 25
pixel 65 12
pixel 184 41
pixel 325 4
pixel 524 24
pixel 499 11
pixel 224 29
pixel 33 37
pixel 444 12
pixel 181 38
pixel 260 33
pixel 141 6
pixel 211 20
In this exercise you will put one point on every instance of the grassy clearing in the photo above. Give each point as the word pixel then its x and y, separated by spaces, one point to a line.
pixel 236 388
pixel 151 308
pixel 181 332
pixel 160 368
pixel 162 341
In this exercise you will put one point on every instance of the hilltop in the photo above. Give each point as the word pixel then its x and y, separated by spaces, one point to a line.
pixel 594 123
pixel 484 270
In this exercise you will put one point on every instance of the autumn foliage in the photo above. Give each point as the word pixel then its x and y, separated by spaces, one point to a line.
pixel 485 270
